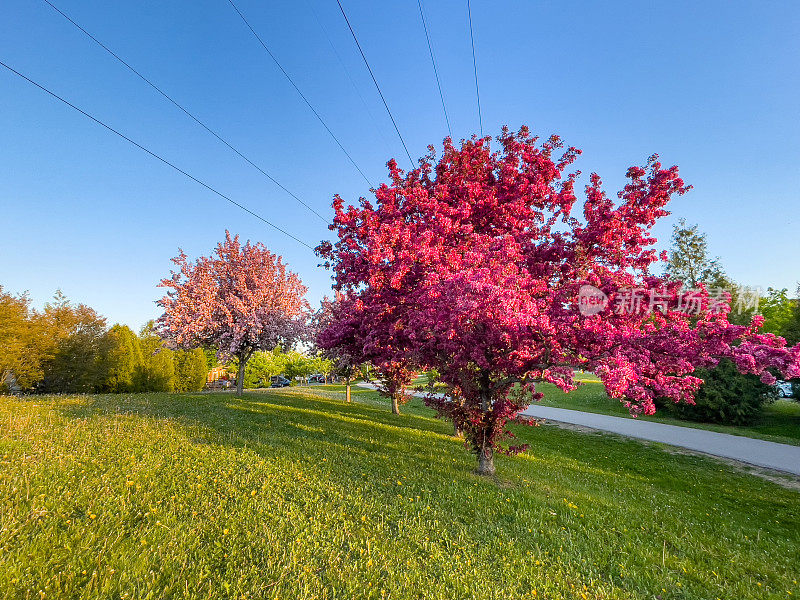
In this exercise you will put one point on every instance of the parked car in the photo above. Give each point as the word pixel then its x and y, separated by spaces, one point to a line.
pixel 784 389
pixel 317 378
pixel 280 381
pixel 219 384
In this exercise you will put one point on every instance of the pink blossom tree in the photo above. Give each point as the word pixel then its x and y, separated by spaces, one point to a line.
pixel 242 299
pixel 474 265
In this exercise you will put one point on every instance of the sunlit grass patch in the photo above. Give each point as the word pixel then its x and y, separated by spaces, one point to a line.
pixel 296 494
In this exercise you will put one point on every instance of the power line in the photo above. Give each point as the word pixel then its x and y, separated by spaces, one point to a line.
pixel 375 81
pixel 347 72
pixel 154 155
pixel 475 67
pixel 433 62
pixel 183 109
pixel 297 89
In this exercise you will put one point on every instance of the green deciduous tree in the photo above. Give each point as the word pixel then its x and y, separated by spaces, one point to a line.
pixel 778 310
pixel 22 343
pixel 791 329
pixel 77 345
pixel 297 364
pixel 726 396
pixel 322 365
pixel 262 367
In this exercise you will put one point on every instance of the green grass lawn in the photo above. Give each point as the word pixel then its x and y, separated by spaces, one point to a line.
pixel 779 423
pixel 294 494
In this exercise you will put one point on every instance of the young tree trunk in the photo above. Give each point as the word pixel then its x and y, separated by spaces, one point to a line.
pixel 240 376
pixel 486 452
pixel 395 405
pixel 457 431
pixel 347 386
pixel 486 461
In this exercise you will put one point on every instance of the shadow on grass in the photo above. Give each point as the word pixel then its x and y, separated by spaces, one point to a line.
pixel 316 426
pixel 297 422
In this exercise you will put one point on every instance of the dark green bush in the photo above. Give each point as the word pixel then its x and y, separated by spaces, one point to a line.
pixel 726 397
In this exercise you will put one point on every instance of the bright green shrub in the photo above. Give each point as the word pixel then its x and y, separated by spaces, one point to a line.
pixel 123 360
pixel 190 370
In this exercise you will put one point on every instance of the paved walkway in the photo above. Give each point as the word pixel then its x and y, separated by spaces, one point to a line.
pixel 781 457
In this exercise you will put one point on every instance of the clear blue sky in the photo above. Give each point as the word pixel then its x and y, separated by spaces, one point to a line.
pixel 711 86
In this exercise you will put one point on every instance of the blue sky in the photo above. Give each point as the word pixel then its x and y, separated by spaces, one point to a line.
pixel 711 87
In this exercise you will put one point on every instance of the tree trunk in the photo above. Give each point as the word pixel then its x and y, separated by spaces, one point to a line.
pixel 347 384
pixel 395 405
pixel 486 461
pixel 486 452
pixel 457 431
pixel 240 376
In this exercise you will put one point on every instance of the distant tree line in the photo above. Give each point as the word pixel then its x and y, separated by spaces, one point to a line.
pixel 263 366
pixel 69 348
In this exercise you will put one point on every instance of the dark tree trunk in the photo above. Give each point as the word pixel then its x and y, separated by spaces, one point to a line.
pixel 240 376
pixel 486 461
pixel 486 452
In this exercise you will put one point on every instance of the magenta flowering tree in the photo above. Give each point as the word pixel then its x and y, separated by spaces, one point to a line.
pixel 336 334
pixel 240 300
pixel 343 333
pixel 395 377
pixel 475 265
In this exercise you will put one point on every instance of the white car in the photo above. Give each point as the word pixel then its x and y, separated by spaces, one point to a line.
pixel 784 389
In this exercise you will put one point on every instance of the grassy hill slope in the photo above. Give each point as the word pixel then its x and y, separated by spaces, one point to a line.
pixel 295 494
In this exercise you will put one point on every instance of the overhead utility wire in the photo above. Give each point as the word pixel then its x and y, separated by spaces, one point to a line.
pixel 154 155
pixel 433 62
pixel 347 72
pixel 297 89
pixel 475 67
pixel 183 109
pixel 375 81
